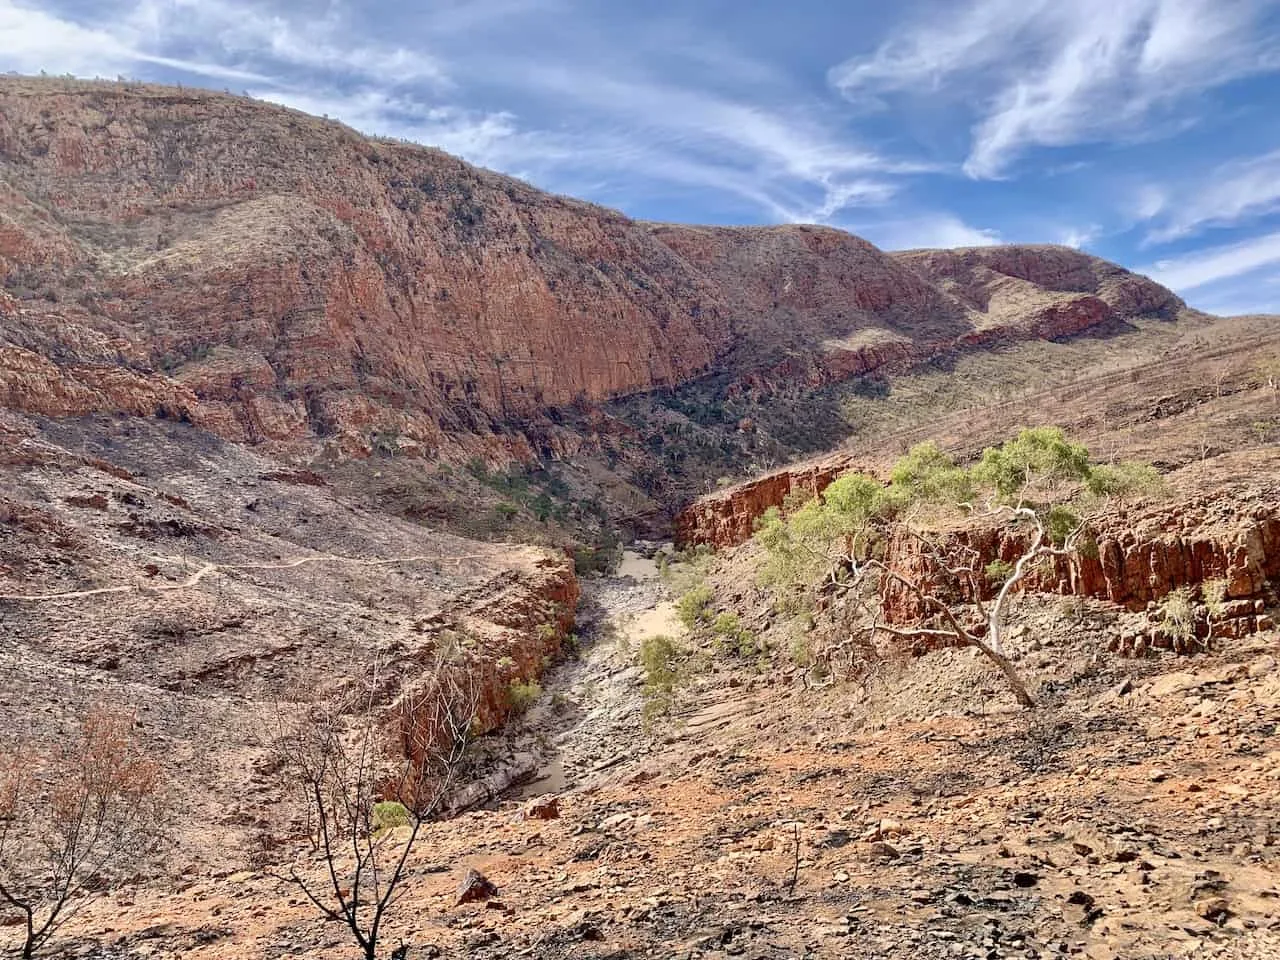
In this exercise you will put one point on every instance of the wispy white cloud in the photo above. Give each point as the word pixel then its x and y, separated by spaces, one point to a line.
pixel 220 39
pixel 329 42
pixel 1233 192
pixel 32 40
pixel 1047 73
pixel 928 230
pixel 488 139
pixel 1214 264
pixel 783 159
pixel 1079 237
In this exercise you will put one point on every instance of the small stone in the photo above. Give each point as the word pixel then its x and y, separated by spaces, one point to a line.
pixel 475 887
pixel 1262 667
pixel 617 820
pixel 1214 909
pixel 883 851
pixel 1025 879
pixel 1159 776
pixel 543 808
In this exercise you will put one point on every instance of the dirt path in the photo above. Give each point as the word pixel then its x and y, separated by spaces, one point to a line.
pixel 211 568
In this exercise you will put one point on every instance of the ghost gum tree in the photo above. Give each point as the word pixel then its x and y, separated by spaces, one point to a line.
pixel 847 546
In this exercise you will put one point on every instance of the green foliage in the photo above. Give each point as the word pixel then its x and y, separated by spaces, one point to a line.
pixel 1214 594
pixel 998 571
pixel 522 695
pixel 927 474
pixel 694 554
pixel 543 507
pixel 1177 615
pixel 386 441
pixel 695 607
pixel 1037 455
pixel 598 558
pixel 389 814
pixel 505 511
pixel 1040 469
pixel 802 654
pixel 1124 479
pixel 733 637
pixel 1060 523
pixel 660 661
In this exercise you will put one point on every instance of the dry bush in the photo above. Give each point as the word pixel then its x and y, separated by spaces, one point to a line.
pixel 75 820
pixel 345 759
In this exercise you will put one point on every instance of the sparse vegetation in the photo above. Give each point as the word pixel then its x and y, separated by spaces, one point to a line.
pixel 732 637
pixel 695 608
pixel 351 766
pixel 386 441
pixel 390 814
pixel 1178 617
pixel 1041 486
pixel 75 819
pixel 660 660
pixel 522 695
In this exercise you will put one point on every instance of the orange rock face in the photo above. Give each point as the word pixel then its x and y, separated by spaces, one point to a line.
pixel 278 278
pixel 727 518
pixel 1233 537
pixel 1131 567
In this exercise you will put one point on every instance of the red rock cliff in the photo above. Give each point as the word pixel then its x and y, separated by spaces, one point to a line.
pixel 275 277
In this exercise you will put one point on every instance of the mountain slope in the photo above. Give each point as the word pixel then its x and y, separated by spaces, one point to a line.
pixel 275 277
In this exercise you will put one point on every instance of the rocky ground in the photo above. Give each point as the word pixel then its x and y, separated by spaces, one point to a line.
pixel 147 564
pixel 1133 814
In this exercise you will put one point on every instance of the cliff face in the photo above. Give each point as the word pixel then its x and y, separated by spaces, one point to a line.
pixel 275 277
pixel 1137 561
pixel 727 518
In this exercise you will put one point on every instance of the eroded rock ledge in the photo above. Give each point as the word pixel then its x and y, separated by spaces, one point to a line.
pixel 1230 533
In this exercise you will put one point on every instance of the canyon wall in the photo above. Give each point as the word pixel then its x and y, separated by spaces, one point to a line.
pixel 278 278
pixel 1138 561
pixel 1229 534
pixel 728 517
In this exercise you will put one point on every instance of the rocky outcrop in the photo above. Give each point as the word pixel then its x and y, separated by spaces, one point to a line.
pixel 517 625
pixel 1131 566
pixel 278 278
pixel 1004 282
pixel 728 517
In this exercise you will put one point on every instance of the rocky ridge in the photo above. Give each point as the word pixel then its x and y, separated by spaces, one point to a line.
pixel 276 278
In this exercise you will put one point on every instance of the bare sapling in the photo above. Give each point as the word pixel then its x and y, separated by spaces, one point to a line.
pixel 74 820
pixel 365 776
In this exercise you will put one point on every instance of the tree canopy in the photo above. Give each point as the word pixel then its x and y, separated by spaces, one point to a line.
pixel 1039 481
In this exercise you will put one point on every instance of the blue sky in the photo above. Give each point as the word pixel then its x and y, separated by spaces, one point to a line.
pixel 1146 131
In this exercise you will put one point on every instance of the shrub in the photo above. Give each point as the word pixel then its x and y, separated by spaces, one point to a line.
pixel 732 634
pixel 694 608
pixel 386 441
pixel 1178 617
pixel 802 651
pixel 998 571
pixel 600 558
pixel 523 695
pixel 660 658
pixel 389 814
